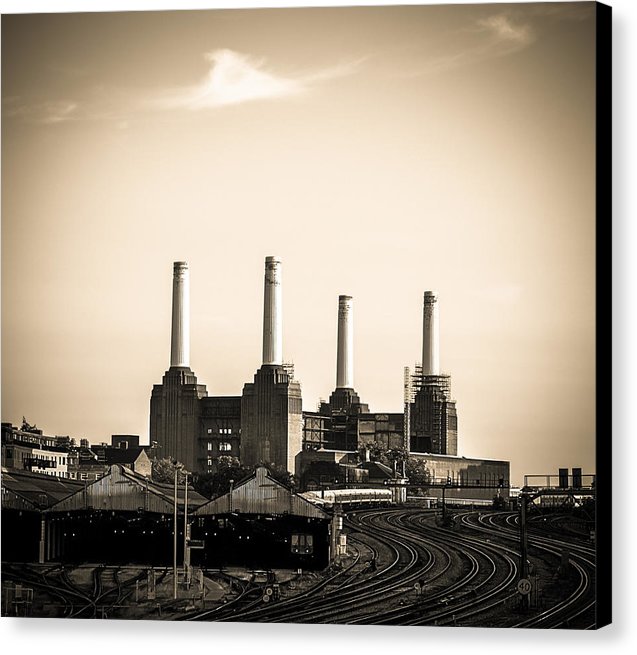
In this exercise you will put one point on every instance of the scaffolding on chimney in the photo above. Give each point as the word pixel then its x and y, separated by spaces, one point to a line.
pixel 288 367
pixel 429 396
pixel 408 392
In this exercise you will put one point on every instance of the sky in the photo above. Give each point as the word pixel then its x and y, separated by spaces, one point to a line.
pixel 379 152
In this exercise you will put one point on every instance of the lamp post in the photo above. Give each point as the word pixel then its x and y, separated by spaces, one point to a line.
pixel 186 550
pixel 177 468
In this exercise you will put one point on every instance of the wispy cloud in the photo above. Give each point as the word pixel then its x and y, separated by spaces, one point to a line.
pixel 58 112
pixel 494 36
pixel 504 33
pixel 232 79
pixel 47 113
pixel 235 78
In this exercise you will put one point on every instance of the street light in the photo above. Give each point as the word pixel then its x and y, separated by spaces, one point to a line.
pixel 178 467
pixel 186 550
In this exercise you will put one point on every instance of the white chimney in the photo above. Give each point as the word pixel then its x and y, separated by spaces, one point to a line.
pixel 272 311
pixel 180 338
pixel 345 346
pixel 430 335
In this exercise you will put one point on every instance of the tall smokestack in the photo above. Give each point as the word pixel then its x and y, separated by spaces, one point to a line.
pixel 430 335
pixel 180 338
pixel 345 352
pixel 272 310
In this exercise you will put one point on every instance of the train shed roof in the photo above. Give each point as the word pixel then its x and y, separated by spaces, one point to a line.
pixel 28 491
pixel 123 490
pixel 261 494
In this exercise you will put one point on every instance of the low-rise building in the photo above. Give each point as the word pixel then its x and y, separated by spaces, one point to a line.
pixel 27 449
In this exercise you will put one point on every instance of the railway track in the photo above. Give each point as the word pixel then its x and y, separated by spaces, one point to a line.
pixel 469 577
pixel 452 601
pixel 404 570
pixel 577 609
pixel 456 575
pixel 70 598
pixel 248 603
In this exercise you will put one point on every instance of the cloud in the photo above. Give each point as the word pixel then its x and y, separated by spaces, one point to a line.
pixel 232 79
pixel 58 112
pixel 510 30
pixel 503 32
pixel 235 78
pixel 47 113
pixel 494 36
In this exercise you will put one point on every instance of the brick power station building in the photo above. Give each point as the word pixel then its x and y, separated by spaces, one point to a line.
pixel 266 423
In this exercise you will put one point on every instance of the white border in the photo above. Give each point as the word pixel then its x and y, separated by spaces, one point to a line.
pixel 96 637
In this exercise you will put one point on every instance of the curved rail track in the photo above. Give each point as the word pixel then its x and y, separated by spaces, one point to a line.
pixel 95 599
pixel 466 576
pixel 403 569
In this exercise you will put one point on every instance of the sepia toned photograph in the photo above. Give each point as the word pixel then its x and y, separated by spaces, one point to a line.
pixel 299 315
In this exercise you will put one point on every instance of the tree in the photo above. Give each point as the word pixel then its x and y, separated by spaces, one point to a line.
pixel 374 451
pixel 394 457
pixel 163 470
pixel 417 471
pixel 227 469
pixel 282 475
pixel 217 482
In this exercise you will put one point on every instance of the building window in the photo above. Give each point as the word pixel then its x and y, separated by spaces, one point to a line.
pixel 209 430
pixel 83 476
pixel 210 445
pixel 209 461
pixel 224 446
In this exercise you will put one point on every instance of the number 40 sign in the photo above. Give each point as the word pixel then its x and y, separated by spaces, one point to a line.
pixel 524 586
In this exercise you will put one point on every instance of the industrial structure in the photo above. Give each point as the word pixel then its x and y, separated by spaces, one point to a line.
pixel 231 527
pixel 266 423
pixel 121 518
pixel 434 422
pixel 100 501
pixel 271 406
pixel 126 518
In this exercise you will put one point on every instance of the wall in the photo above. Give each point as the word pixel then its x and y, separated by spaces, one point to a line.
pixel 271 419
pixel 175 416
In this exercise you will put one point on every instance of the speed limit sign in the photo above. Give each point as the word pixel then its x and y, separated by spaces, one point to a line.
pixel 524 586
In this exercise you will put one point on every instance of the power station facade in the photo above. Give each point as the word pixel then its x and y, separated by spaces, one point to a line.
pixel 267 424
pixel 271 405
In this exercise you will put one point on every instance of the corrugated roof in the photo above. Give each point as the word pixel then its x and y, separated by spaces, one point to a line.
pixel 123 490
pixel 37 491
pixel 261 494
